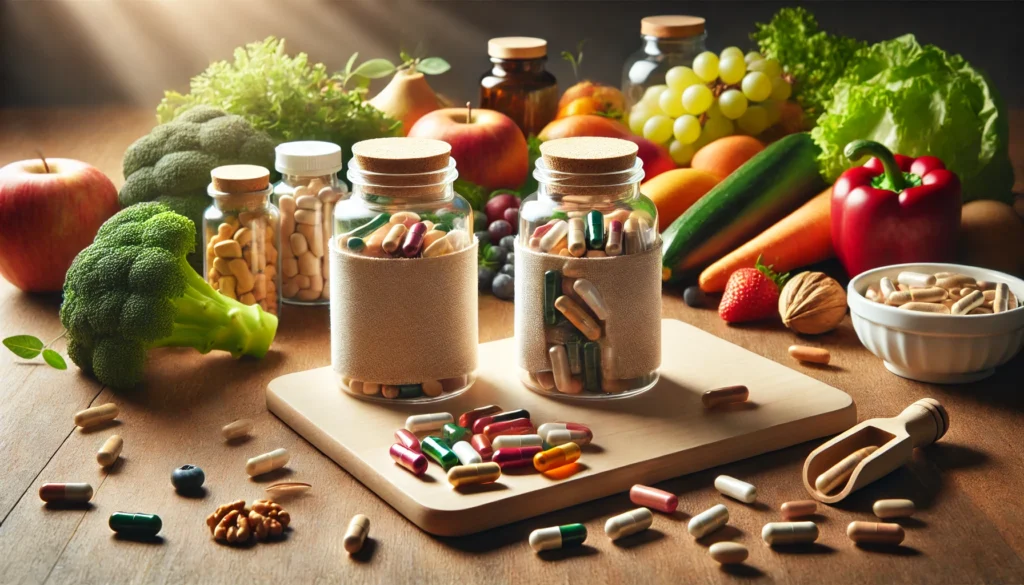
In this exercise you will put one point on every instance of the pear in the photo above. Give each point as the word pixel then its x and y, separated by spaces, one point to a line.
pixel 406 98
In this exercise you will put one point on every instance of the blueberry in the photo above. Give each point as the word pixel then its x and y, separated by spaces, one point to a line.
pixel 484 237
pixel 188 478
pixel 510 258
pixel 497 255
pixel 693 296
pixel 508 243
pixel 504 287
pixel 509 270
pixel 484 277
pixel 499 229
pixel 479 222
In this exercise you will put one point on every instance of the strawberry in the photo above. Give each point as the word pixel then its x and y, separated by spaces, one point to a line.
pixel 751 294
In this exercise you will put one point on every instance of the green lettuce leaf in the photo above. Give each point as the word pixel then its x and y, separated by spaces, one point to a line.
pixel 917 100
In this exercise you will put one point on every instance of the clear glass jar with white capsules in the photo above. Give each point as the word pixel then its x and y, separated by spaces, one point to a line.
pixel 587 259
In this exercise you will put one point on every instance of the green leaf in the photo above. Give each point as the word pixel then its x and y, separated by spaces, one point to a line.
pixel 24 346
pixel 433 66
pixel 375 69
pixel 350 63
pixel 55 360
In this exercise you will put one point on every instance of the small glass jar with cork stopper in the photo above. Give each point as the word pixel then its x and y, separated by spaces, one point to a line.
pixel 241 232
pixel 306 195
pixel 588 274
pixel 668 41
pixel 518 85
pixel 403 264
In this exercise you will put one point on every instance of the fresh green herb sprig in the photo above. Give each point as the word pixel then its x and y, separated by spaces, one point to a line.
pixel 30 347
pixel 575 60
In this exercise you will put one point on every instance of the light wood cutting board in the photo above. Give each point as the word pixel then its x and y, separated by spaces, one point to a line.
pixel 658 435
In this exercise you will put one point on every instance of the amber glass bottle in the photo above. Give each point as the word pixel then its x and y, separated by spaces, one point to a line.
pixel 518 85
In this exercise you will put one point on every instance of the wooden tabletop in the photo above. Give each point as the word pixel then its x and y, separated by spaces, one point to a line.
pixel 970 528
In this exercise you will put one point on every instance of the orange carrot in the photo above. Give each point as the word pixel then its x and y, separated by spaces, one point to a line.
pixel 801 238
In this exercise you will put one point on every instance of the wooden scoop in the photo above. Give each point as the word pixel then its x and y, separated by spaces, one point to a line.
pixel 920 424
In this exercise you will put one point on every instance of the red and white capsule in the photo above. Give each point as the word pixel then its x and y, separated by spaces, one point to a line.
pixel 65 492
pixel 559 433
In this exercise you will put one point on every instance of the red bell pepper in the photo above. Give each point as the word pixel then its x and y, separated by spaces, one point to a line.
pixel 894 209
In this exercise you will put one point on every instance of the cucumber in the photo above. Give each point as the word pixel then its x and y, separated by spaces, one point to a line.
pixel 773 183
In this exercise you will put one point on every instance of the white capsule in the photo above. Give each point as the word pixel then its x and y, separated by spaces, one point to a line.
pixel 736 489
pixel 915 279
pixel 511 441
pixel 893 508
pixel 554 235
pixel 466 453
pixel 629 523
pixel 423 423
pixel 546 539
pixel 267 462
pixel 592 297
pixel 546 429
pixel 563 436
pixel 789 532
pixel 708 521
pixel 728 553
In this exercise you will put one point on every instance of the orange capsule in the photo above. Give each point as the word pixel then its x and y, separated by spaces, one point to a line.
pixel 798 509
pixel 65 492
pixel 875 533
pixel 482 445
pixel 726 395
pixel 556 457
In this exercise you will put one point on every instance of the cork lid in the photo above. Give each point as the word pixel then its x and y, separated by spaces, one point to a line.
pixel 402 156
pixel 517 48
pixel 672 26
pixel 240 178
pixel 589 155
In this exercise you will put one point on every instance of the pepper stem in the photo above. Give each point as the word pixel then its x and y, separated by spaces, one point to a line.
pixel 893 173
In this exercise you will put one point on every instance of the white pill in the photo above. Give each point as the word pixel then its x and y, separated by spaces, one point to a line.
pixel 728 553
pixel 515 441
pixel 789 532
pixel 708 521
pixel 421 423
pixel 915 279
pixel 736 489
pixel 563 436
pixel 267 462
pixel 355 536
pixel 237 429
pixel 629 523
pixel 893 508
pixel 466 453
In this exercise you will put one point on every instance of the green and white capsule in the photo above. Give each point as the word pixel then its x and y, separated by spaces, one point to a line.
pixel 558 537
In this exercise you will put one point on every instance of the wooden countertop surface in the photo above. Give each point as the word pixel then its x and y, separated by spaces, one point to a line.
pixel 970 527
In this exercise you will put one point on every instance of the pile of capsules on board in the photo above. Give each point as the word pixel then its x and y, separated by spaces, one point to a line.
pixel 945 293
pixel 484 442
pixel 404 235
pixel 593 234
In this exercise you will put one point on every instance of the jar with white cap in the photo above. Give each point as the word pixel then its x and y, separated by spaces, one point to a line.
pixel 518 85
pixel 306 195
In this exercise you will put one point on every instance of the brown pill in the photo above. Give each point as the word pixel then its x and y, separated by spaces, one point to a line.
pixel 927 295
pixel 798 509
pixel 956 281
pixel 837 475
pixel 926 308
pixel 971 301
pixel 1001 298
pixel 726 395
pixel 814 355
pixel 875 533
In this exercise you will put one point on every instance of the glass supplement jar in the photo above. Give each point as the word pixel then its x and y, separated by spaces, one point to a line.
pixel 306 196
pixel 668 41
pixel 403 210
pixel 588 267
pixel 518 85
pixel 241 236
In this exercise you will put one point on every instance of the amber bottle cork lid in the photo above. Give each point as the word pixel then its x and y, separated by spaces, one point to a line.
pixel 672 26
pixel 402 156
pixel 240 178
pixel 589 155
pixel 517 48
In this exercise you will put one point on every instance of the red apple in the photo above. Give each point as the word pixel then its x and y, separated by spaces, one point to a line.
pixel 489 150
pixel 656 157
pixel 49 212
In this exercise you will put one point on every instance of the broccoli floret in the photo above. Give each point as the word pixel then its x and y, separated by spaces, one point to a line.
pixel 174 161
pixel 132 290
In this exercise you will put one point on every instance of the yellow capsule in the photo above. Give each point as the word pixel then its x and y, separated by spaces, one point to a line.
pixel 556 457
pixel 837 475
pixel 476 473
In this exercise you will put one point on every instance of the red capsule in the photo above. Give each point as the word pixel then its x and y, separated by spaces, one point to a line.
pixel 65 492
pixel 518 426
pixel 408 440
pixel 467 419
pixel 414 240
pixel 409 459
pixel 653 498
pixel 483 446
pixel 515 457
pixel 480 423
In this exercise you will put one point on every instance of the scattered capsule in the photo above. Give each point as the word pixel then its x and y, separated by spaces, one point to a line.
pixel 798 509
pixel 893 508
pixel 546 429
pixel 483 446
pixel 875 533
pixel 439 451
pixel 837 475
pixel 726 395
pixel 519 426
pixel 461 475
pixel 558 537
pixel 466 453
pixel 507 441
pixel 916 279
pixel 631 522
pixel 65 492
pixel 814 355
pixel 267 462
pixel 708 521
pixel 653 498
pixel 355 536
pixel 96 415
pixel 467 419
pixel 237 429
pixel 188 478
pixel 515 457
pixel 480 423
pixel 775 533
pixel 414 461
pixel 453 433
pixel 561 437
pixel 135 525
pixel 728 553
pixel 424 423
pixel 110 451
pixel 408 440
pixel 556 457
pixel 736 489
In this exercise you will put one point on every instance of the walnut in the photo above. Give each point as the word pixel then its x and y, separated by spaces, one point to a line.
pixel 214 519
pixel 234 528
pixel 235 524
pixel 273 512
pixel 812 303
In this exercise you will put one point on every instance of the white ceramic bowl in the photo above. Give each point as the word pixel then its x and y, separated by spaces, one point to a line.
pixel 944 349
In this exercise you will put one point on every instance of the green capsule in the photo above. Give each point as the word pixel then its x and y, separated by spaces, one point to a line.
pixel 370 226
pixel 592 366
pixel 595 230
pixel 355 244
pixel 552 290
pixel 574 350
pixel 135 525
pixel 437 450
pixel 453 433
pixel 573 534
pixel 410 391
